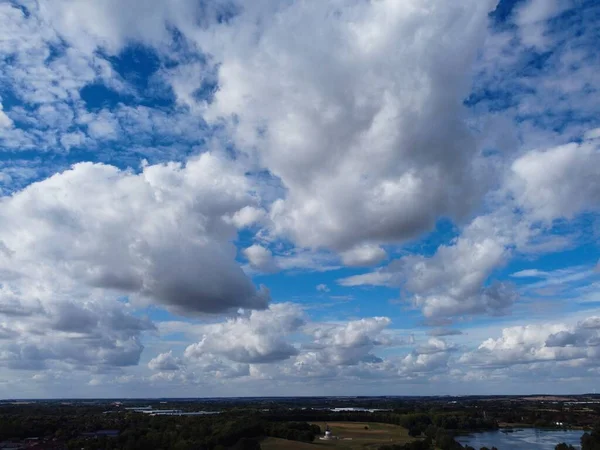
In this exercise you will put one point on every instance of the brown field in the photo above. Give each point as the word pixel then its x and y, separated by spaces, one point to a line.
pixel 352 435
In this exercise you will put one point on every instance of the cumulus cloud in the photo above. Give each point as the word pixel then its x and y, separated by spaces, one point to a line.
pixel 361 147
pixel 336 154
pixel 258 337
pixel 158 234
pixel 348 344
pixel 260 258
pixel 247 216
pixel 423 363
pixel 592 323
pixel 210 366
pixel 454 281
pixel 434 345
pixel 279 344
pixel 207 369
pixel 363 255
pixel 539 343
pixel 164 362
pixel 426 360
pixel 86 334
pixel 559 182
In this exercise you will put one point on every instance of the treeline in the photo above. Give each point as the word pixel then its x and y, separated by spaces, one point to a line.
pixel 142 432
pixel 168 434
pixel 293 431
pixel 429 424
pixel 60 421
pixel 417 424
pixel 591 441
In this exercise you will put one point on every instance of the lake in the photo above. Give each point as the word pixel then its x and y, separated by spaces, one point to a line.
pixel 525 439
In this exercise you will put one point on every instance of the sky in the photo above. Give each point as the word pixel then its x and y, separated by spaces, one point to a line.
pixel 205 198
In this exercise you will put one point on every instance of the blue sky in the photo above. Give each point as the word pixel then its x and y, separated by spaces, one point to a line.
pixel 204 198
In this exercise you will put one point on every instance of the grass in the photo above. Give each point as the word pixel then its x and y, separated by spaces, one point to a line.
pixel 272 443
pixel 352 435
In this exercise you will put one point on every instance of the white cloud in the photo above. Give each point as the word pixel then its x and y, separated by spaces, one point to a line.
pixel 210 366
pixel 164 361
pixel 83 334
pixel 348 344
pixel 534 11
pixel 592 134
pixel 338 149
pixel 531 18
pixel 103 126
pixel 591 323
pixel 87 26
pixel 260 258
pixel 567 280
pixel 259 337
pixel 247 216
pixel 548 100
pixel 435 345
pixel 423 363
pixel 48 56
pixel 539 343
pixel 346 125
pixel 530 273
pixel 377 278
pixel 304 259
pixel 5 121
pixel 322 288
pixel 363 255
pixel 36 76
pixel 158 234
pixel 558 182
pixel 69 140
pixel 452 282
pixel 279 346
pixel 203 370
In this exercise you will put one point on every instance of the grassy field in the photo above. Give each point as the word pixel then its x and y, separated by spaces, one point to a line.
pixel 352 435
pixel 281 444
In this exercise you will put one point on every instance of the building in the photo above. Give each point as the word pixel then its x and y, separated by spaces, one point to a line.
pixel 328 436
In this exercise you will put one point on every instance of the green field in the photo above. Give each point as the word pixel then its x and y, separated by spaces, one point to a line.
pixel 352 435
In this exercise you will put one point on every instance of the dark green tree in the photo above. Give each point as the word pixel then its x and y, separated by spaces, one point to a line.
pixel 564 446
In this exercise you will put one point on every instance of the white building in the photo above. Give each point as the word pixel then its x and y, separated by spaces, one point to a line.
pixel 328 436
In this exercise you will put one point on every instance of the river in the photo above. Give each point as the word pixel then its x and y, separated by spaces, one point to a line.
pixel 522 439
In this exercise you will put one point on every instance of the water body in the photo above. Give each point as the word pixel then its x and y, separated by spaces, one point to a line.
pixel 522 439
